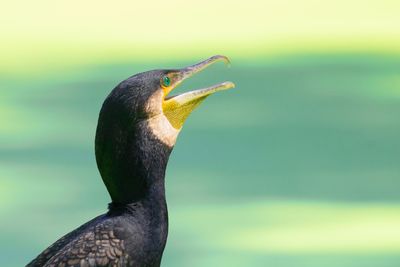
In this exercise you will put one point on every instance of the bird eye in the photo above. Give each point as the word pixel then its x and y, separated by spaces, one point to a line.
pixel 166 81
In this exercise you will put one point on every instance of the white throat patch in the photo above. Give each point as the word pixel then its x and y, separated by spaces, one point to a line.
pixel 163 130
pixel 158 123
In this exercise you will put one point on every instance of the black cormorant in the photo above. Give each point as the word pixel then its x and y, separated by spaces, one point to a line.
pixel 136 132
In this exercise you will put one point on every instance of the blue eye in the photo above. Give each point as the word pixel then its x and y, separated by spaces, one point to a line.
pixel 166 81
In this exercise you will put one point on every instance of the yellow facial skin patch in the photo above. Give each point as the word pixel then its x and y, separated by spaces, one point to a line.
pixel 179 107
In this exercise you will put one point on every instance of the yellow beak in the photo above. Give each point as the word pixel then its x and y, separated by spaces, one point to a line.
pixel 178 108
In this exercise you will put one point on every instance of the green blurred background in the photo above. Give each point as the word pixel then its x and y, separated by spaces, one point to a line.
pixel 297 166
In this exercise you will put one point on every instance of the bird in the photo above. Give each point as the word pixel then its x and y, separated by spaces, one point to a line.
pixel 138 126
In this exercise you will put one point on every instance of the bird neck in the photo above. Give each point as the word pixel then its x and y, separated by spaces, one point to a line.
pixel 132 163
pixel 154 204
pixel 146 222
pixel 147 218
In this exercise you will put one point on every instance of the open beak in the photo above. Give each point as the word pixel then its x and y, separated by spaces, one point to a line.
pixel 177 108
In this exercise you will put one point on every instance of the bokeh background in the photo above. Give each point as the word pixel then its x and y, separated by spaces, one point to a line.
pixel 297 166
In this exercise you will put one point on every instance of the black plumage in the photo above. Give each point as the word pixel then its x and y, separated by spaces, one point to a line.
pixel 132 163
pixel 132 157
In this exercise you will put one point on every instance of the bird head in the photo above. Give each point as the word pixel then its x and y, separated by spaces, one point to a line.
pixel 138 126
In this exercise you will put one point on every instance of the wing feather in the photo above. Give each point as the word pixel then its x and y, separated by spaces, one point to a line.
pixel 92 244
